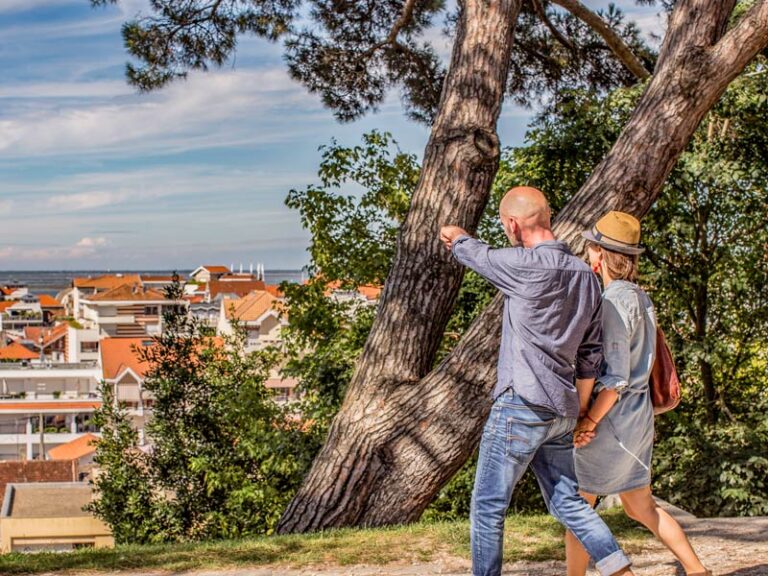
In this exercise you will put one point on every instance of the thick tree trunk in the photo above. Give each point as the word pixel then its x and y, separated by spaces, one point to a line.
pixel 400 435
pixel 353 471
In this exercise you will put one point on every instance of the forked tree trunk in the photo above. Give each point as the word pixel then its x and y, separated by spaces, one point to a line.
pixel 460 162
pixel 401 434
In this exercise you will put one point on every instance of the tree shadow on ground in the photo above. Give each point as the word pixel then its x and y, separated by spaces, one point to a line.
pixel 756 570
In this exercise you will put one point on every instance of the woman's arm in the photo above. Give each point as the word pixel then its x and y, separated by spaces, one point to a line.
pixel 600 407
pixel 617 329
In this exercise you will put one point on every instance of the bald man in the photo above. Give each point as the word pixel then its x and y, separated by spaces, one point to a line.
pixel 550 354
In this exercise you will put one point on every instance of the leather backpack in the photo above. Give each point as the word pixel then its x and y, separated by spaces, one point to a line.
pixel 664 383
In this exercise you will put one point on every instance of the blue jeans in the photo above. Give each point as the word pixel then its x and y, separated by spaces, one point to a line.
pixel 516 435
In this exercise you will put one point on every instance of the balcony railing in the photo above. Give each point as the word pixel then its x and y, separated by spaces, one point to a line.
pixel 47 365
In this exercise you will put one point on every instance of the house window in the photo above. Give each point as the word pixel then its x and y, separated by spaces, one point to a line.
pixel 88 347
pixel 151 311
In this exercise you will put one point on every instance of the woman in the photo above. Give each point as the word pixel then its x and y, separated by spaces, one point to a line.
pixel 618 459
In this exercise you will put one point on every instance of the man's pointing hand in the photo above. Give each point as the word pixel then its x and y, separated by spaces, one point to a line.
pixel 448 235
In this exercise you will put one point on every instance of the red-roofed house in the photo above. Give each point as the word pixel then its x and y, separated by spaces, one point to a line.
pixel 16 352
pixel 52 341
pixel 218 289
pixel 127 311
pixel 13 292
pixel 51 308
pixel 122 367
pixel 81 449
pixel 208 273
pixel 255 312
pixel 367 293
pixel 87 287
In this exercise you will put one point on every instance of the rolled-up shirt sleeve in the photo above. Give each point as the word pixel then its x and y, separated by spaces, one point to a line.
pixel 487 262
pixel 616 336
pixel 589 358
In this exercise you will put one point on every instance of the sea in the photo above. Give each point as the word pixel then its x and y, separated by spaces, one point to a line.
pixel 54 281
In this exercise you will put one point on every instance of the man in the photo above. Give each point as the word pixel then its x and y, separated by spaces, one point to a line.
pixel 550 354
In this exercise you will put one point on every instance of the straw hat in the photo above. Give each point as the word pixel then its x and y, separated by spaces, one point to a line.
pixel 616 231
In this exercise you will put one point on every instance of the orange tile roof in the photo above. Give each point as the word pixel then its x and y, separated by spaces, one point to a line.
pixel 6 304
pixel 16 351
pixel 7 291
pixel 217 269
pixel 106 282
pixel 150 278
pixel 370 291
pixel 119 354
pixel 49 406
pixel 33 333
pixel 251 307
pixel 238 277
pixel 239 287
pixel 47 301
pixel 274 290
pixel 127 292
pixel 77 448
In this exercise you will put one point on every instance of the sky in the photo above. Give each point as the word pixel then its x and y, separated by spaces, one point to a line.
pixel 94 175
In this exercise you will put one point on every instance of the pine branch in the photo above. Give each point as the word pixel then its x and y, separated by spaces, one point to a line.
pixel 391 40
pixel 615 43
pixel 559 36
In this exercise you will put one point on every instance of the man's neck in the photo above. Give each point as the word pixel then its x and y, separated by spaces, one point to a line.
pixel 538 236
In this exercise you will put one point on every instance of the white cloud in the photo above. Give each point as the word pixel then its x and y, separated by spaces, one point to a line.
pixel 91 242
pixel 85 247
pixel 86 200
pixel 50 90
pixel 208 110
pixel 26 5
pixel 5 206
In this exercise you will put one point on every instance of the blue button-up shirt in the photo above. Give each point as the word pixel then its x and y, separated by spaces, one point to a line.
pixel 551 330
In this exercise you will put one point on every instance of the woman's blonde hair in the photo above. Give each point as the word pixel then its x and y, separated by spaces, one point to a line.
pixel 620 266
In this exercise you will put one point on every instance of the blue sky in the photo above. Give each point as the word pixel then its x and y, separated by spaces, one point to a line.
pixel 96 176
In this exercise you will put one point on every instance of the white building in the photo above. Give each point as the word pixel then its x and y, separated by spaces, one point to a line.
pixel 42 406
pixel 257 315
pixel 126 311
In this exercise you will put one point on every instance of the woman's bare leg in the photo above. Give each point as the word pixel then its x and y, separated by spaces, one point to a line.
pixel 576 557
pixel 640 505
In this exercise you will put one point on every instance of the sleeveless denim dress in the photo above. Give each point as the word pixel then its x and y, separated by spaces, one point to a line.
pixel 619 457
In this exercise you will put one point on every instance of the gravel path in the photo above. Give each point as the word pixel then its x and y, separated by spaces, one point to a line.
pixel 728 546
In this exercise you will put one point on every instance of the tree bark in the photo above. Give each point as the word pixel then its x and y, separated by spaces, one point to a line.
pixel 352 472
pixel 402 433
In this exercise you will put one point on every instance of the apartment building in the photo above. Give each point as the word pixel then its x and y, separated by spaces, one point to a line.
pixel 257 314
pixel 126 311
pixel 44 405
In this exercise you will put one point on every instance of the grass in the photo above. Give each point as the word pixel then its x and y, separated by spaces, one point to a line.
pixel 526 538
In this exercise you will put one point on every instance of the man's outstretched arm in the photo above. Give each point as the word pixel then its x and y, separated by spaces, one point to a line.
pixel 476 255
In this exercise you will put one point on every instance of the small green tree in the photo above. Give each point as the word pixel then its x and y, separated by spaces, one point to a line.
pixel 125 499
pixel 223 458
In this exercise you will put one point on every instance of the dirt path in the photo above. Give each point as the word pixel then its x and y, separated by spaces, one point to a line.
pixel 728 546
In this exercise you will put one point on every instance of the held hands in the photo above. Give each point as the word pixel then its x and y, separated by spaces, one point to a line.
pixel 449 233
pixel 584 432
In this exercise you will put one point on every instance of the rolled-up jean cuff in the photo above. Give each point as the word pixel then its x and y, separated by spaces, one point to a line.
pixel 612 563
